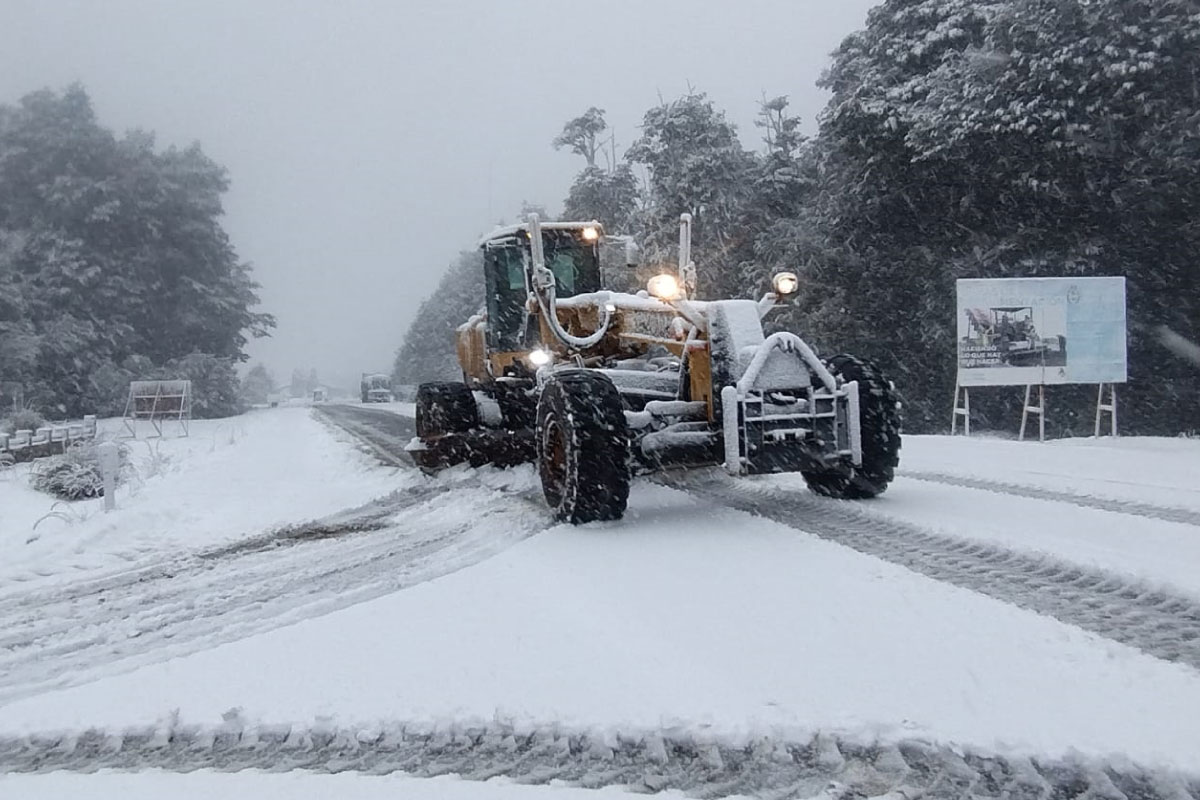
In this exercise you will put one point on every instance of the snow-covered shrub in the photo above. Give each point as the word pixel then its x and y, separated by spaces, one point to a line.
pixel 25 419
pixel 75 474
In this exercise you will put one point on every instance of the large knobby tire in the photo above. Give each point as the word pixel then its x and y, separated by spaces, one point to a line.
pixel 445 412
pixel 445 408
pixel 880 420
pixel 583 446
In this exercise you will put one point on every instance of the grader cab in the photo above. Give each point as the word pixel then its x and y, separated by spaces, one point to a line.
pixel 596 386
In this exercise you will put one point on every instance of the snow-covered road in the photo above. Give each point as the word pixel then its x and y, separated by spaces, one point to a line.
pixel 962 610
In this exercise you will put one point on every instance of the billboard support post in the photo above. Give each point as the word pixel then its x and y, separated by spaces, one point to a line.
pixel 1039 409
pixel 1110 408
pixel 963 411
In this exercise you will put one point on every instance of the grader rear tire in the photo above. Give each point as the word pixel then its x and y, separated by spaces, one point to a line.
pixel 445 408
pixel 445 413
pixel 583 446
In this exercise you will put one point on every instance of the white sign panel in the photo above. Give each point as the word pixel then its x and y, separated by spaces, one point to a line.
pixel 1020 331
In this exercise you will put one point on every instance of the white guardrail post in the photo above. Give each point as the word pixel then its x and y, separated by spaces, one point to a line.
pixel 110 462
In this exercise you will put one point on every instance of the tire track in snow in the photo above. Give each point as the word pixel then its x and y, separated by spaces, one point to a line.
pixel 342 522
pixel 825 765
pixel 1155 621
pixel 54 637
pixel 368 517
pixel 207 603
pixel 1133 507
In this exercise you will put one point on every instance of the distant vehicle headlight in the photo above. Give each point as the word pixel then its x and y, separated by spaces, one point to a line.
pixel 785 283
pixel 664 286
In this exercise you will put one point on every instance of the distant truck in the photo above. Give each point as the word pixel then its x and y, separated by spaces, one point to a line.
pixel 376 388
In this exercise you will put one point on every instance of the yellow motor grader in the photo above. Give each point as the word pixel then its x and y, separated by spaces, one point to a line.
pixel 597 386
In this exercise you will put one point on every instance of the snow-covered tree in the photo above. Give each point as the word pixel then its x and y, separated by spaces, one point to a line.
pixel 1024 137
pixel 696 164
pixel 427 353
pixel 583 135
pixel 257 385
pixel 610 197
pixel 782 185
pixel 109 249
pixel 610 194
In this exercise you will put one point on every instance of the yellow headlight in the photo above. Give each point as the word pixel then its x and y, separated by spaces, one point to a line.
pixel 590 234
pixel 785 283
pixel 664 286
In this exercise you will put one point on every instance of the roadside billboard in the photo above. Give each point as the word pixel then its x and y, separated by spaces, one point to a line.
pixel 1022 331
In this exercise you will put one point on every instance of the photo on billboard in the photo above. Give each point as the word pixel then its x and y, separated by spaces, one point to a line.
pixel 1022 331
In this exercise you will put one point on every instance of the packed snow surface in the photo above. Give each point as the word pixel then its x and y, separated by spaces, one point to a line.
pixel 1125 473
pixel 229 479
pixel 686 614
pixel 1143 469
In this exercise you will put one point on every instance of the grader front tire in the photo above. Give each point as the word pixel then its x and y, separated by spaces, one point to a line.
pixel 880 423
pixel 583 446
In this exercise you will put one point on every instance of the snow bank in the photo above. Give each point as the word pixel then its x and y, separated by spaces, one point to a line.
pixel 229 479
pixel 1137 468
pixel 688 616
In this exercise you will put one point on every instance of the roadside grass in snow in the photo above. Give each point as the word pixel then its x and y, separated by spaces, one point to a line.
pixel 75 474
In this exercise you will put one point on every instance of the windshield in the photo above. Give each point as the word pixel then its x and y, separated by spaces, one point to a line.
pixel 575 267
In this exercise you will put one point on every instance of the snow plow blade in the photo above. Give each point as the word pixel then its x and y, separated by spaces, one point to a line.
pixel 478 448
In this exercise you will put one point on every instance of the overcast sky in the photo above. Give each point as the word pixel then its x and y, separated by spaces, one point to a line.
pixel 369 142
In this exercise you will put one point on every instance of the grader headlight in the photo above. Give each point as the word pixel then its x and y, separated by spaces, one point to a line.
pixel 664 286
pixel 590 234
pixel 785 283
pixel 540 357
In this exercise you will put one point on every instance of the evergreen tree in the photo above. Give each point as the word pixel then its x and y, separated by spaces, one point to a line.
pixel 784 179
pixel 428 353
pixel 1019 138
pixel 109 249
pixel 257 386
pixel 609 197
pixel 697 165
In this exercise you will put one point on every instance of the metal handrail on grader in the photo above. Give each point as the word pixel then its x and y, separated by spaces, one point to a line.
pixel 596 386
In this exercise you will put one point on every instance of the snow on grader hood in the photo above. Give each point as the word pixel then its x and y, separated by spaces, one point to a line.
pixel 596 386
